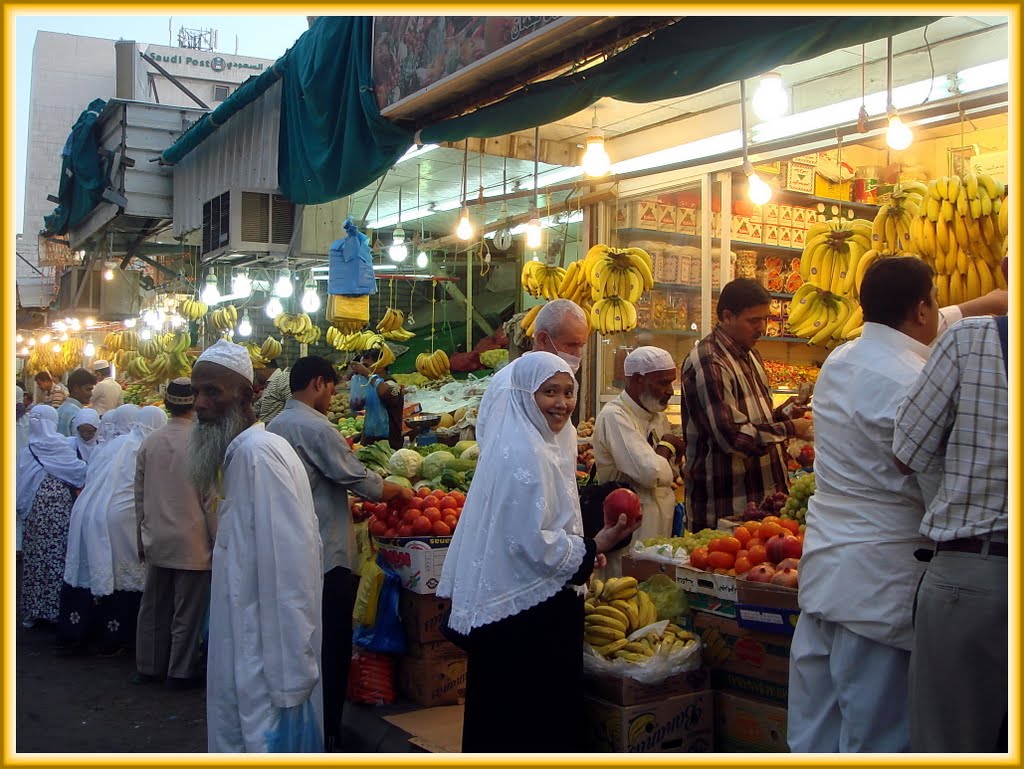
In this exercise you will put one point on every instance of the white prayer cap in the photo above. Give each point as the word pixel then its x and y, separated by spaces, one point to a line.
pixel 644 360
pixel 230 356
pixel 99 365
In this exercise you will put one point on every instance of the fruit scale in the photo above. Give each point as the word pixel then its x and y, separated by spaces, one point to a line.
pixel 421 429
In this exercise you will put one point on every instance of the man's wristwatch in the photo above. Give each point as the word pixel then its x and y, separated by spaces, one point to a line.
pixel 669 446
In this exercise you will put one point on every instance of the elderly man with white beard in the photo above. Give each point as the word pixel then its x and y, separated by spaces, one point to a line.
pixel 632 439
pixel 263 672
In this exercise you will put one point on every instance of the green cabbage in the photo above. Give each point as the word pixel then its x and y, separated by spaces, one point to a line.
pixel 473 452
pixel 460 448
pixel 399 480
pixel 435 463
pixel 406 463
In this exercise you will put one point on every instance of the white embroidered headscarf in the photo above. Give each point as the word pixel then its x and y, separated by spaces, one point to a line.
pixel 81 447
pixel 520 535
pixel 47 453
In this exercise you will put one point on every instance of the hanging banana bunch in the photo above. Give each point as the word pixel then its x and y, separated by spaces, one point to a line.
pixel 193 309
pixel 224 319
pixel 390 326
pixel 832 251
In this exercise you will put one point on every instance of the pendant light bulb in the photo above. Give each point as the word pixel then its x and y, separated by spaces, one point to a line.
pixel 310 298
pixel 465 230
pixel 146 334
pixel 770 99
pixel 758 190
pixel 283 288
pixel 108 274
pixel 241 284
pixel 45 338
pixel 273 308
pixel 398 251
pixel 595 159
pixel 245 326
pixel 20 338
pixel 56 348
pixel 422 260
pixel 90 349
pixel 533 233
pixel 899 136
pixel 211 294
pixel 130 322
pixel 25 350
pixel 32 342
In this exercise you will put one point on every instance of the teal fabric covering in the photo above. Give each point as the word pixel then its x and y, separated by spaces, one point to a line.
pixel 83 173
pixel 692 55
pixel 242 97
pixel 333 141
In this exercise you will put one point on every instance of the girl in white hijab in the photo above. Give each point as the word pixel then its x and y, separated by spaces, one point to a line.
pixel 515 568
pixel 49 476
pixel 103 558
pixel 85 423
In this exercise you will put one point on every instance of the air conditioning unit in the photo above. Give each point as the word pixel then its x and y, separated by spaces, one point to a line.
pixel 247 221
pixel 109 300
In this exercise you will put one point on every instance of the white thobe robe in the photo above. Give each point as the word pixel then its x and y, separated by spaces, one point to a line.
pixel 265 622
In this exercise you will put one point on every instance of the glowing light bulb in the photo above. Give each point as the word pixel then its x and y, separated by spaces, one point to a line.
pixel 64 337
pixel 595 160
pixel 422 260
pixel 130 322
pixel 56 348
pixel 398 251
pixel 32 342
pixel 211 294
pixel 145 334
pixel 465 230
pixel 60 326
pixel 899 136
pixel 90 350
pixel 45 339
pixel 176 320
pixel 283 287
pixel 90 322
pixel 273 308
pixel 770 99
pixel 108 274
pixel 149 317
pixel 758 190
pixel 241 284
pixel 20 338
pixel 245 326
pixel 533 233
pixel 76 324
pixel 25 350
pixel 310 298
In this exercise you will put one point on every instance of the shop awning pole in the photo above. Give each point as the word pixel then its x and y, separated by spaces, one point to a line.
pixel 469 298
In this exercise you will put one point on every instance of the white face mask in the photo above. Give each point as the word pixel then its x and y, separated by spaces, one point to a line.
pixel 572 360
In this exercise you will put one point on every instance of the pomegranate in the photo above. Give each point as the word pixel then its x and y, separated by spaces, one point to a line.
pixel 786 578
pixel 762 572
pixel 621 502
pixel 783 546
pixel 788 563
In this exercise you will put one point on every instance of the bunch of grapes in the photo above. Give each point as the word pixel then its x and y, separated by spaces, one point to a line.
pixel 796 505
pixel 686 542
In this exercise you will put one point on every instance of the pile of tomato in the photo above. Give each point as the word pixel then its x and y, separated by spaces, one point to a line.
pixel 746 547
pixel 429 513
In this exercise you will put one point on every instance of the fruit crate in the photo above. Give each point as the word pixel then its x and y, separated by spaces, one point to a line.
pixel 766 607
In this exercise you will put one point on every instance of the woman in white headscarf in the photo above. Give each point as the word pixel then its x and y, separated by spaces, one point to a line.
pixel 49 476
pixel 84 438
pixel 103 576
pixel 516 567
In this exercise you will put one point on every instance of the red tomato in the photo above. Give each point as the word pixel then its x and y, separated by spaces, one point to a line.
pixel 448 503
pixel 381 508
pixel 391 532
pixel 405 530
pixel 459 497
pixel 789 523
pixel 432 514
pixel 756 554
pixel 377 527
pixel 720 560
pixel 414 504
pixel 431 501
pixel 743 534
pixel 699 557
pixel 440 529
pixel 410 515
pixel 422 525
pixel 728 545
pixel 424 492
pixel 742 564
pixel 451 520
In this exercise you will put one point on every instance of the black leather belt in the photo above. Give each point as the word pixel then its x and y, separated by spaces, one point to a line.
pixel 974 545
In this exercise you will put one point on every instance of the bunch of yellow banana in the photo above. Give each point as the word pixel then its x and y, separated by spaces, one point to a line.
pixel 193 309
pixel 617 609
pixel 387 357
pixel 613 315
pixel 121 358
pixel 855 275
pixel 715 648
pixel 832 249
pixel 176 342
pixel 225 318
pixel 366 340
pixel 890 229
pixel 71 352
pixel 43 358
pixel 526 324
pixel 433 365
pixel 541 279
pixel 255 355
pixel 349 326
pixel 574 285
pixel 961 233
pixel 149 348
pixel 309 336
pixel 625 273
pixel 391 328
pixel 167 365
pixel 271 349
pixel 824 317
pixel 121 340
pixel 293 325
pixel 138 368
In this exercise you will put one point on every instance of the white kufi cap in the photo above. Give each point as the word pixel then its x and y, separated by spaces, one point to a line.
pixel 229 355
pixel 644 360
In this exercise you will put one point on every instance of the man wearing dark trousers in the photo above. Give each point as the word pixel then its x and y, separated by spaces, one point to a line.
pixel 333 472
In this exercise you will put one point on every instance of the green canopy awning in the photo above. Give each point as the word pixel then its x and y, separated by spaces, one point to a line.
pixel 83 174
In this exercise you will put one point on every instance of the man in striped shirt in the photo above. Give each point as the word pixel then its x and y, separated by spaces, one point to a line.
pixel 734 438
pixel 52 392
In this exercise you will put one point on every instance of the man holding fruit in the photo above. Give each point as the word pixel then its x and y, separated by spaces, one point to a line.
pixel 333 472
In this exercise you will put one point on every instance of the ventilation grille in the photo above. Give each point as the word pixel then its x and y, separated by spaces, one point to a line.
pixel 282 223
pixel 255 217
pixel 216 222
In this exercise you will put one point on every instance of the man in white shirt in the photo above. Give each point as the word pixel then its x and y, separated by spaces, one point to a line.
pixel 263 672
pixel 632 439
pixel 851 649
pixel 107 395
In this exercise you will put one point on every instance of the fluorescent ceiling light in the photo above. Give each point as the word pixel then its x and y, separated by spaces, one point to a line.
pixel 711 145
pixel 415 152
pixel 384 267
pixel 547 221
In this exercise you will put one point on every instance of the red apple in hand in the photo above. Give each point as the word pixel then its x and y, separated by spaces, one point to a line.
pixel 621 502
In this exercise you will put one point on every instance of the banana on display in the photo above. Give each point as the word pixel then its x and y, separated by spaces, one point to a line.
pixel 433 365
pixel 390 326
pixel 193 309
pixel 299 326
pixel 541 280
pixel 823 317
pixel 526 324
pixel 832 250
pixel 224 319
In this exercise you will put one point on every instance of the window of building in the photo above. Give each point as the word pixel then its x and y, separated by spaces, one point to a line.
pixel 220 92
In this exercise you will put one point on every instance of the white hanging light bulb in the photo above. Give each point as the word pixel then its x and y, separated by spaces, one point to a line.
pixel 149 317
pixel 770 99
pixel 898 136
pixel 20 338
pixel 90 322
pixel 130 322
pixel 245 326
pixel 465 229
pixel 64 337
pixel 283 287
pixel 211 294
pixel 241 284
pixel 595 159
pixel 25 350
pixel 758 190
pixel 422 260
pixel 90 349
pixel 56 348
pixel 176 320
pixel 75 323
pixel 45 338
pixel 398 251
pixel 533 232
pixel 310 298
pixel 273 308
pixel 32 342
pixel 108 273
pixel 146 334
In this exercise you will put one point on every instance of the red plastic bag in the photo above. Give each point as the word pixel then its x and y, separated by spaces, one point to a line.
pixel 371 677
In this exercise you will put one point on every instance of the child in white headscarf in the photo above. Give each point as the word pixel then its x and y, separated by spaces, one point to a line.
pixel 49 476
pixel 84 438
pixel 515 568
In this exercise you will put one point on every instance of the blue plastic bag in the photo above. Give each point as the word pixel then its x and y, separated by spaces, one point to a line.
pixel 385 635
pixel 298 731
pixel 350 265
